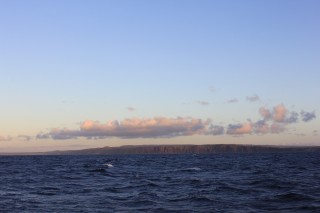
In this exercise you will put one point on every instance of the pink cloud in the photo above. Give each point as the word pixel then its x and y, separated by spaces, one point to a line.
pixel 273 121
pixel 261 127
pixel 279 113
pixel 277 127
pixel 265 113
pixel 238 129
pixel 8 138
pixel 136 128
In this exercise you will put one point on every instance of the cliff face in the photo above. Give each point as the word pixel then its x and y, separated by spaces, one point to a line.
pixel 185 149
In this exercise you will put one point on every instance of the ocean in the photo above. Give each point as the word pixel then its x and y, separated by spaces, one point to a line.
pixel 247 182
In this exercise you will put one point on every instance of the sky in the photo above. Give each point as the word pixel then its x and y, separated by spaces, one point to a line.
pixel 79 74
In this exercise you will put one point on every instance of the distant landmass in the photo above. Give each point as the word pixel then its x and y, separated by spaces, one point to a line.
pixel 178 149
pixel 185 149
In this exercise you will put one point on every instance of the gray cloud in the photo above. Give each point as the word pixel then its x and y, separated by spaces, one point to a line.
pixel 232 128
pixel 234 100
pixel 293 118
pixel 131 109
pixel 253 98
pixel 42 136
pixel 261 127
pixel 277 128
pixel 307 116
pixel 300 134
pixel 204 103
pixel 63 134
pixel 25 137
pixel 212 89
pixel 215 130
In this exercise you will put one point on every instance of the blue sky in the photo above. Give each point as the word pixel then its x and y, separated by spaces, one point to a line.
pixel 161 66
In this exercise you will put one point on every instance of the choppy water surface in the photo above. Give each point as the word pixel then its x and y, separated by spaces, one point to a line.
pixel 288 182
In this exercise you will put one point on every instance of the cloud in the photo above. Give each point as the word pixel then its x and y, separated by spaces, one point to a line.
pixel 274 120
pixel 239 129
pixel 293 118
pixel 234 100
pixel 203 103
pixel 42 136
pixel 277 128
pixel 25 137
pixel 8 138
pixel 215 130
pixel 63 134
pixel 279 113
pixel 279 118
pixel 160 127
pixel 265 113
pixel 131 109
pixel 212 89
pixel 308 116
pixel 253 98
pixel 261 127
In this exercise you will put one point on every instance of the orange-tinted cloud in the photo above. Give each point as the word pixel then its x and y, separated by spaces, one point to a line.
pixel 279 113
pixel 273 121
pixel 277 127
pixel 239 129
pixel 261 127
pixel 265 113
pixel 136 128
pixel 8 138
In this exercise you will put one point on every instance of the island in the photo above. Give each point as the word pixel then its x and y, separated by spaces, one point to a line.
pixel 186 149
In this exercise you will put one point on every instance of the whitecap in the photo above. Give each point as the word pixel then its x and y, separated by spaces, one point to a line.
pixel 193 169
pixel 108 165
pixel 189 169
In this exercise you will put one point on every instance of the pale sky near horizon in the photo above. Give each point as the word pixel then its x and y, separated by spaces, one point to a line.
pixel 78 74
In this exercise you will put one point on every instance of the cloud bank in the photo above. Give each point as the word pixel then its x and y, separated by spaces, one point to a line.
pixel 160 127
pixel 272 121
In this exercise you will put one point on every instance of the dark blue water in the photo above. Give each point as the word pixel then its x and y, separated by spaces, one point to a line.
pixel 288 182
